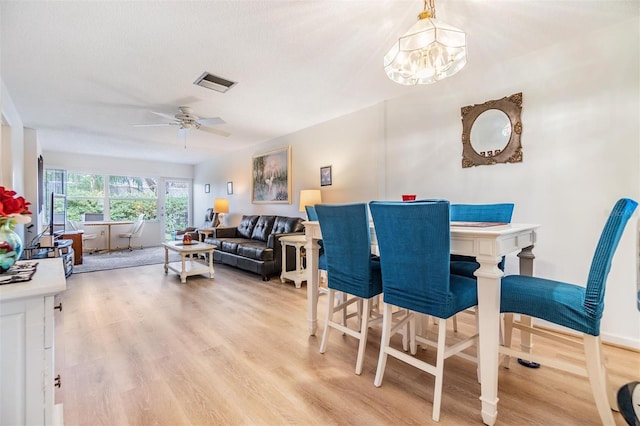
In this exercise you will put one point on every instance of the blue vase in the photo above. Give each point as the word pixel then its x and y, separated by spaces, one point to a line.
pixel 10 246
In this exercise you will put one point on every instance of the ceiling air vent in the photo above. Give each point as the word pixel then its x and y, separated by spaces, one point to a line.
pixel 214 82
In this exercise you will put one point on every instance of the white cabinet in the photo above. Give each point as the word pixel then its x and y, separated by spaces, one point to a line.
pixel 27 368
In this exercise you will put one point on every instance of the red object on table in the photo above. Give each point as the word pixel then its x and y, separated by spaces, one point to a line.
pixel 407 197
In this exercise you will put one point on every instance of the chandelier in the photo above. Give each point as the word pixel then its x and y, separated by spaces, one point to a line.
pixel 429 51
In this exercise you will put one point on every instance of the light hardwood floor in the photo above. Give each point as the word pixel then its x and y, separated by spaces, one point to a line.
pixel 136 347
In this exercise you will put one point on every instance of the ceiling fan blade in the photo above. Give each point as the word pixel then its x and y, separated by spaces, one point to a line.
pixel 214 131
pixel 211 121
pixel 153 125
pixel 162 114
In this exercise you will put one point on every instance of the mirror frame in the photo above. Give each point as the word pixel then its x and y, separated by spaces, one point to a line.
pixel 512 152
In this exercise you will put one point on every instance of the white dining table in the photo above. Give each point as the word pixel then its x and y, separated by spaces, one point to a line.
pixel 108 224
pixel 487 244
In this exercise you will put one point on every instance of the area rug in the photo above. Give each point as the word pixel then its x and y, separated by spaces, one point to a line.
pixel 123 259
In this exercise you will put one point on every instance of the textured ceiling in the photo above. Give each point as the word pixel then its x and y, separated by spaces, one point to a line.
pixel 82 72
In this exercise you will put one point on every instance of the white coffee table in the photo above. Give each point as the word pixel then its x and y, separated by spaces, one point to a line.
pixel 191 265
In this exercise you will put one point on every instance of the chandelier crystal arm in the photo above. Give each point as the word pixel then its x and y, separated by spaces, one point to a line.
pixel 430 13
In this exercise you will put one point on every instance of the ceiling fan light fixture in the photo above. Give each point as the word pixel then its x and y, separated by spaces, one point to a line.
pixel 214 82
pixel 429 51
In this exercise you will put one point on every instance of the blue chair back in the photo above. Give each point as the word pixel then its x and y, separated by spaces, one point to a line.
pixel 501 212
pixel 311 213
pixel 346 241
pixel 322 259
pixel 414 240
pixel 601 263
pixel 482 212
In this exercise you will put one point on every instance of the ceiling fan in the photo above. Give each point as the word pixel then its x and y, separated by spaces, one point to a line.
pixel 186 120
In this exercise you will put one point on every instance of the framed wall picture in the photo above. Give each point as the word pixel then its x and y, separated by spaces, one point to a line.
pixel 207 188
pixel 229 188
pixel 271 177
pixel 325 176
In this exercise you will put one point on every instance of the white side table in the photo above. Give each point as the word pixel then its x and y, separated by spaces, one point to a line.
pixel 298 274
pixel 204 233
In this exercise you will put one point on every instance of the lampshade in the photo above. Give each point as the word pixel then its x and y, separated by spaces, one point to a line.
pixel 309 197
pixel 221 205
pixel 429 51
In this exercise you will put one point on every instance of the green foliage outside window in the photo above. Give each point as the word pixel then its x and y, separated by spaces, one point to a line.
pixel 131 209
pixel 128 196
pixel 75 208
pixel 84 185
pixel 177 213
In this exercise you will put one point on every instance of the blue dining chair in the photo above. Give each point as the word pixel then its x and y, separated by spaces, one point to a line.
pixel 350 270
pixel 502 212
pixel 572 306
pixel 322 259
pixel 414 243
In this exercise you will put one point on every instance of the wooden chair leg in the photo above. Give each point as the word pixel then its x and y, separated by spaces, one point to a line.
pixel 411 331
pixel 384 344
pixel 328 319
pixel 342 298
pixel 508 331
pixel 596 371
pixel 439 374
pixel 364 333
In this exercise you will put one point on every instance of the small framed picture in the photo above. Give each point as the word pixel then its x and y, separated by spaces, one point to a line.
pixel 229 188
pixel 325 176
pixel 207 188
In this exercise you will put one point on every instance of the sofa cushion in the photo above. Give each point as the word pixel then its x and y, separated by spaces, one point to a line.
pixel 263 227
pixel 255 250
pixel 245 228
pixel 229 245
pixel 286 225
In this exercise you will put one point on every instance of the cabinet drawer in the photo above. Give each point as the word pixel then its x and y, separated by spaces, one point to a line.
pixel 49 326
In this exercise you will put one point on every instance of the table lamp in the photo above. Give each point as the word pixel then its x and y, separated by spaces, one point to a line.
pixel 309 197
pixel 221 206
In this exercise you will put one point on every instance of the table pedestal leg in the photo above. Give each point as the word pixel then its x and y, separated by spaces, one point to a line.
pixel 313 252
pixel 488 278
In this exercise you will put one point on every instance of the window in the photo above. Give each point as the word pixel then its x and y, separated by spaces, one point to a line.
pixel 130 196
pixel 85 194
pixel 113 197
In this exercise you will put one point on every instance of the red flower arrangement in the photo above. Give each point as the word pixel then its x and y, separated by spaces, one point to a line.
pixel 12 208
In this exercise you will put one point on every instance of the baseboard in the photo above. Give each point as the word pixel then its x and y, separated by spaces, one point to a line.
pixel 607 338
pixel 621 342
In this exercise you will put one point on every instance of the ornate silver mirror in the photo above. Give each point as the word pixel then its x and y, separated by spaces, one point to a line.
pixel 491 132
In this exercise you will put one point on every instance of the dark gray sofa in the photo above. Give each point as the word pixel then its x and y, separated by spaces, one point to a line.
pixel 254 245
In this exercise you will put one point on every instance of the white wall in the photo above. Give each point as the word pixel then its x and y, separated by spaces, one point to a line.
pixel 311 149
pixel 581 148
pixel 11 148
pixel 32 151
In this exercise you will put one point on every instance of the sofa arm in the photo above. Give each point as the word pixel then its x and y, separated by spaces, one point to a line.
pixel 225 232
